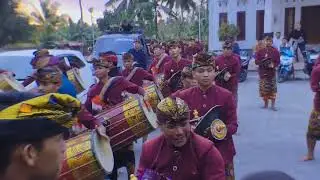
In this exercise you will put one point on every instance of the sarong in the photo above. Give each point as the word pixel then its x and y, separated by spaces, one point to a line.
pixel 314 125
pixel 268 88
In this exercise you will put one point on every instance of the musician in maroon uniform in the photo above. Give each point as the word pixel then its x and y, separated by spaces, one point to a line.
pixel 314 123
pixel 159 60
pixel 178 153
pixel 49 80
pixel 231 63
pixel 113 63
pixel 206 95
pixel 135 75
pixel 177 63
pixel 268 60
pixel 104 95
pixel 187 79
pixel 192 48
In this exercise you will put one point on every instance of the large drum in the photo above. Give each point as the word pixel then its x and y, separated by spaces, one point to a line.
pixel 75 77
pixel 88 157
pixel 128 121
pixel 153 95
pixel 8 83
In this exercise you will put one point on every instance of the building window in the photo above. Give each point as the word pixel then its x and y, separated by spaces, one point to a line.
pixel 289 21
pixel 223 18
pixel 241 23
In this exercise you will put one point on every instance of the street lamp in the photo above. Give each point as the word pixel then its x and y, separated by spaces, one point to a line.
pixel 92 25
pixel 81 24
pixel 199 38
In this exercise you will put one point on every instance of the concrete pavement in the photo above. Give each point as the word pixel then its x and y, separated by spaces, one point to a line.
pixel 271 140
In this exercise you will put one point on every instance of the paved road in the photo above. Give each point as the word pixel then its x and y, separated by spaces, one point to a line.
pixel 272 140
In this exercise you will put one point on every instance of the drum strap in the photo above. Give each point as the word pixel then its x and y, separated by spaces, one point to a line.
pixel 107 86
pixel 132 73
pixel 161 60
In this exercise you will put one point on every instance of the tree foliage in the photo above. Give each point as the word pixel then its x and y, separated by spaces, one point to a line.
pixel 13 28
pixel 228 30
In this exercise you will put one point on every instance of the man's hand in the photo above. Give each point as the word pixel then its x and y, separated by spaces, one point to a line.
pixel 227 76
pixel 102 132
pixel 141 91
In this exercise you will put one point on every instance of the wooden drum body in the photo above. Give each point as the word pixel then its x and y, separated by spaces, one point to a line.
pixel 128 122
pixel 75 77
pixel 87 157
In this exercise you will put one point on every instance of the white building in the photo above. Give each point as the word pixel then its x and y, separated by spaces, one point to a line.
pixel 255 17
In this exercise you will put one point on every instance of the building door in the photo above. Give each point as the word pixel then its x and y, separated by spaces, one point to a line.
pixel 289 21
pixel 310 23
pixel 260 24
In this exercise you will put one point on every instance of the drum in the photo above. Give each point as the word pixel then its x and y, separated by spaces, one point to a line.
pixel 220 75
pixel 153 95
pixel 175 82
pixel 163 87
pixel 211 126
pixel 75 78
pixel 87 157
pixel 128 121
pixel 8 83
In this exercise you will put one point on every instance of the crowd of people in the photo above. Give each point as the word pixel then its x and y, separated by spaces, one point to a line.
pixel 33 125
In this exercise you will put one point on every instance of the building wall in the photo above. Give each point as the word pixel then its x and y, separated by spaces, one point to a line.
pixel 274 17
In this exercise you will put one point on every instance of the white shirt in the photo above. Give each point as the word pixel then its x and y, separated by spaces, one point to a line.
pixel 277 42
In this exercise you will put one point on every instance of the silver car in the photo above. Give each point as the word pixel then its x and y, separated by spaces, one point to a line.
pixel 19 63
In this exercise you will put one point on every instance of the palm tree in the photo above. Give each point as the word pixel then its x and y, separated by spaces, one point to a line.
pixel 183 5
pixel 46 18
pixel 139 6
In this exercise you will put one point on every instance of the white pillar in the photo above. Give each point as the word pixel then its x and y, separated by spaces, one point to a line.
pixel 251 24
pixel 214 11
pixel 272 16
pixel 298 12
pixel 211 25
pixel 232 13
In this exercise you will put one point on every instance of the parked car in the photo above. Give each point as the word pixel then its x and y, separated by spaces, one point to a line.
pixel 19 63
pixel 119 43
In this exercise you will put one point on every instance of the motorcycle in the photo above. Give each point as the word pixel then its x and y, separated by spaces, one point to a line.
pixel 286 68
pixel 310 58
pixel 244 60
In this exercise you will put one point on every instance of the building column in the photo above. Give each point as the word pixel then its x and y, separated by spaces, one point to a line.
pixel 212 24
pixel 272 16
pixel 210 38
pixel 298 12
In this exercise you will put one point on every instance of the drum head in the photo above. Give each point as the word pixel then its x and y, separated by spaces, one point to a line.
pixel 151 116
pixel 103 152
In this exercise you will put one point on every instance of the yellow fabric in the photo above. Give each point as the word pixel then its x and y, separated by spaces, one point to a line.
pixel 175 108
pixel 56 107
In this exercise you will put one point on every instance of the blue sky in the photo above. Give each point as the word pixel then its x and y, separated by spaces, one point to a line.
pixel 71 7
